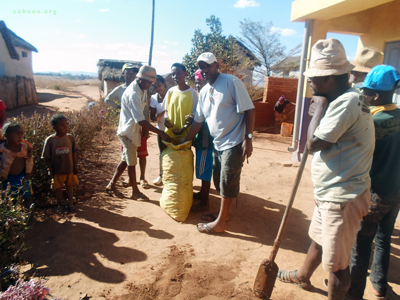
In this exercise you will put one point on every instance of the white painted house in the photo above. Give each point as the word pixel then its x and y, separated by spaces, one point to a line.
pixel 17 87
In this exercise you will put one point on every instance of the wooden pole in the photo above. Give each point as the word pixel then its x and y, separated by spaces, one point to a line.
pixel 152 35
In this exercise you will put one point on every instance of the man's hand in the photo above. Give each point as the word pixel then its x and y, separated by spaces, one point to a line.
pixel 247 148
pixel 145 133
pixel 165 137
pixel 189 118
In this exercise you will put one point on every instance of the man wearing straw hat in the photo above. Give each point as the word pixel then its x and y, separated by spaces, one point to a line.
pixel 341 136
pixel 366 58
pixel 131 123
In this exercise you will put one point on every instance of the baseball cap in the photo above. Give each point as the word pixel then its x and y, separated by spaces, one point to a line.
pixel 328 57
pixel 207 57
pixel 129 66
pixel 381 78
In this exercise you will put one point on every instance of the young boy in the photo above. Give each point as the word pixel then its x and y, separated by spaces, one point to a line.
pixel 16 160
pixel 60 153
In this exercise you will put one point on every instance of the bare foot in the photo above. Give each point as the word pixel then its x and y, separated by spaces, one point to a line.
pixel 139 197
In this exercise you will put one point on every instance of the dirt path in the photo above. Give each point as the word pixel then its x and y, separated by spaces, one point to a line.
pixel 122 249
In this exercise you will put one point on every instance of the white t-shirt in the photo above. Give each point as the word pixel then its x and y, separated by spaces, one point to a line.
pixel 133 102
pixel 341 172
pixel 159 109
pixel 223 105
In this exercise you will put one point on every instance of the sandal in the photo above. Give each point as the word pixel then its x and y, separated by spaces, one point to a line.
pixel 144 184
pixel 284 276
pixel 204 228
pixel 140 197
pixel 114 192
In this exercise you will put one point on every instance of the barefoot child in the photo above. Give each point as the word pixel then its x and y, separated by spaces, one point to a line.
pixel 60 153
pixel 16 161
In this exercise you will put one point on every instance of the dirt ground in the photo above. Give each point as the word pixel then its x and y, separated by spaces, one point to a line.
pixel 113 248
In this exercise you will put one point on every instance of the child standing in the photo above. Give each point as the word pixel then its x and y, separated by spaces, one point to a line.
pixel 60 153
pixel 16 160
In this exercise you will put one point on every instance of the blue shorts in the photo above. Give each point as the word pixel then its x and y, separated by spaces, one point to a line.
pixel 204 164
pixel 15 183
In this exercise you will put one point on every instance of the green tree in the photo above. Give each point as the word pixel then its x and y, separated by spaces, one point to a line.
pixel 226 47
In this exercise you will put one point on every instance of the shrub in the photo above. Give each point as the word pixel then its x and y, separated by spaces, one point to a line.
pixel 92 128
pixel 88 126
pixel 27 290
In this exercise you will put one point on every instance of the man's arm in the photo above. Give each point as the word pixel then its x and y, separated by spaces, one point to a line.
pixel 110 98
pixel 194 129
pixel 147 126
pixel 315 144
pixel 249 118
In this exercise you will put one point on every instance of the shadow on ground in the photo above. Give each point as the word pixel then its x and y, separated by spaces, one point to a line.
pixel 64 248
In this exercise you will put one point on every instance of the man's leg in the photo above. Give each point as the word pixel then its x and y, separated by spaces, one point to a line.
pixel 360 259
pixel 380 264
pixel 142 164
pixel 230 163
pixel 311 263
pixel 58 193
pixel 132 179
pixel 339 283
pixel 118 172
pixel 205 192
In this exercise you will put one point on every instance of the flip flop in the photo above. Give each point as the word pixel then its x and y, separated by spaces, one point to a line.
pixel 204 228
pixel 114 192
pixel 144 184
pixel 140 197
pixel 284 276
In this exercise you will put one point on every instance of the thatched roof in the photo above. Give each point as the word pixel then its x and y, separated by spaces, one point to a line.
pixel 288 64
pixel 12 40
pixel 111 69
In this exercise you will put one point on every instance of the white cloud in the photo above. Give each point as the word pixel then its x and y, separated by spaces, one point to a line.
pixel 78 20
pixel 246 3
pixel 89 0
pixel 284 31
pixel 104 10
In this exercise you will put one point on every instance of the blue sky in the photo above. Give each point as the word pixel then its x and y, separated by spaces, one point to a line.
pixel 76 33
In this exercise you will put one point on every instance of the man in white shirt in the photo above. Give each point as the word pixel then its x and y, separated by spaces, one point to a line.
pixel 131 122
pixel 341 136
pixel 230 114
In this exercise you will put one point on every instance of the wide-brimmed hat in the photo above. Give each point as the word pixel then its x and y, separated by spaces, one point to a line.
pixel 328 57
pixel 367 58
pixel 207 57
pixel 382 78
pixel 147 73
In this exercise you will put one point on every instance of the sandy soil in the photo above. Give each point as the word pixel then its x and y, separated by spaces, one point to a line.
pixel 118 249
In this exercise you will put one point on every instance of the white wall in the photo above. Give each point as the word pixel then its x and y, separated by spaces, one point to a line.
pixel 13 67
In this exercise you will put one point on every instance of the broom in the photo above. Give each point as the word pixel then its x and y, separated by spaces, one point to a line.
pixel 268 270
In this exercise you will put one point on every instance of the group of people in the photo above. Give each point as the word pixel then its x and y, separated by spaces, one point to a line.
pixel 218 118
pixel 354 135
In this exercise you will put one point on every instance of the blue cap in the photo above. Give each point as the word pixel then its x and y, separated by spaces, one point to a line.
pixel 381 78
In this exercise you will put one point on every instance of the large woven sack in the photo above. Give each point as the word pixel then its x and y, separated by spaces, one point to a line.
pixel 177 176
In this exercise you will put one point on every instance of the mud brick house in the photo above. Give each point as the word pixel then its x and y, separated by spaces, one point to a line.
pixel 17 86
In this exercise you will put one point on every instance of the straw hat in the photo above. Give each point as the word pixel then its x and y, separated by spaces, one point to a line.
pixel 147 73
pixel 328 58
pixel 367 58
